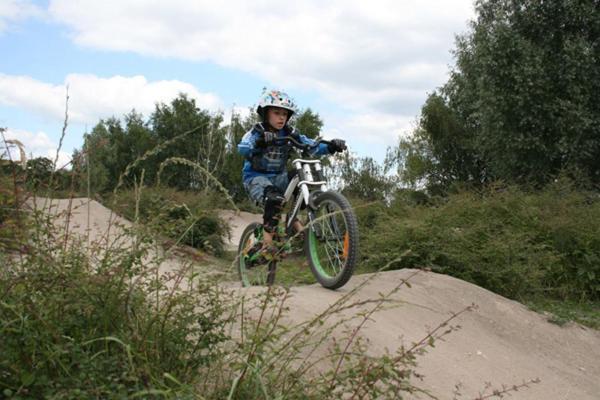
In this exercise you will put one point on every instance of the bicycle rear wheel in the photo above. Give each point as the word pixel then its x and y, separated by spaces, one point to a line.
pixel 253 273
pixel 331 244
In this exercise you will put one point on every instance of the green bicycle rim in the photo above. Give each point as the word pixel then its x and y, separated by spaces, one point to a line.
pixel 313 246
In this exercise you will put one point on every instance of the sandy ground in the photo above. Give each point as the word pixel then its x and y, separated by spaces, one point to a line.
pixel 501 342
pixel 237 222
pixel 99 228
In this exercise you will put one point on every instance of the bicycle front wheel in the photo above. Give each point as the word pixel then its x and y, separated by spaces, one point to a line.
pixel 331 244
pixel 253 272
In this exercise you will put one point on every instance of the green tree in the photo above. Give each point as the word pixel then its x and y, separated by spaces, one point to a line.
pixel 440 151
pixel 308 123
pixel 526 87
pixel 174 119
pixel 39 170
pixel 231 173
pixel 359 177
pixel 109 148
pixel 521 103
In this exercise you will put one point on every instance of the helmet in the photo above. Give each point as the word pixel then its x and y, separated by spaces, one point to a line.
pixel 275 98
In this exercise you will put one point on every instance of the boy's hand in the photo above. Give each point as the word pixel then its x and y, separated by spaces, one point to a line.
pixel 266 139
pixel 336 146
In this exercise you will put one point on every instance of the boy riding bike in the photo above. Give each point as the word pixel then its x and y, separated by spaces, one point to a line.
pixel 264 173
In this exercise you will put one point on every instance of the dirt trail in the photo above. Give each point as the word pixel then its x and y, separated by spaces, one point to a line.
pixel 101 228
pixel 501 342
pixel 237 222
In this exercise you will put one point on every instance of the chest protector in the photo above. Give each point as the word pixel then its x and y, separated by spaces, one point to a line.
pixel 272 159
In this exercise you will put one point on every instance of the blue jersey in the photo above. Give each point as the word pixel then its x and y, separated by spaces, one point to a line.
pixel 270 160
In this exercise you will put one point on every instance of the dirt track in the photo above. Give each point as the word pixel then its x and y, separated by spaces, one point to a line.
pixel 501 342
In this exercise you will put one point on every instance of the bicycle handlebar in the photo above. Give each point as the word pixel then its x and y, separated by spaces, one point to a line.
pixel 303 146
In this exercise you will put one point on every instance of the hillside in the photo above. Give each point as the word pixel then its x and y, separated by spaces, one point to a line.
pixel 500 341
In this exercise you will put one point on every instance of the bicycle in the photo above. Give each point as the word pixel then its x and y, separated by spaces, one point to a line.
pixel 330 228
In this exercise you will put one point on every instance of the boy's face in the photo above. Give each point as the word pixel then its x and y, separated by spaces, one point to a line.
pixel 277 117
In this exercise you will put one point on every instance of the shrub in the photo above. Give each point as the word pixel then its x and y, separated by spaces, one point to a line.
pixel 74 329
pixel 187 217
pixel 505 239
pixel 13 222
pixel 109 326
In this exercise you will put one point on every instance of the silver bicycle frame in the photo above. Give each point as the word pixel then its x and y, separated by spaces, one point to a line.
pixel 304 172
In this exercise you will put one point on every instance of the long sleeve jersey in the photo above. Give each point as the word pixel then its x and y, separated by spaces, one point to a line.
pixel 270 160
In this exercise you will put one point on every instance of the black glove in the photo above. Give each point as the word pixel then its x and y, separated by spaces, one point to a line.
pixel 266 139
pixel 336 146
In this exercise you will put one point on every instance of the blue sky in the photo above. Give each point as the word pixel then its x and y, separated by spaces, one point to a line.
pixel 366 68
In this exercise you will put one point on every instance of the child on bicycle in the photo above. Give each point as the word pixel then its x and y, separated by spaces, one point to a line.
pixel 264 173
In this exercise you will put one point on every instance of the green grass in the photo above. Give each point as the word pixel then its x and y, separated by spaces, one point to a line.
pixel 294 271
pixel 561 312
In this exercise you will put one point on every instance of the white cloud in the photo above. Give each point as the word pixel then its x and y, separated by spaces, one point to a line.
pixel 92 97
pixel 379 56
pixel 16 10
pixel 369 129
pixel 36 145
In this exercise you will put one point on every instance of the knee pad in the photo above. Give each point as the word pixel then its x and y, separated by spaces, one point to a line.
pixel 273 197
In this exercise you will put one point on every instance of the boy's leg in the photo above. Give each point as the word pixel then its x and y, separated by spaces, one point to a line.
pixel 263 192
pixel 273 202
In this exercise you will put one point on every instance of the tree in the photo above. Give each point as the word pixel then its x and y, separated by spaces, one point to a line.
pixel 358 177
pixel 308 123
pixel 109 148
pixel 526 87
pixel 231 173
pixel 169 121
pixel 441 151
pixel 521 104
pixel 39 170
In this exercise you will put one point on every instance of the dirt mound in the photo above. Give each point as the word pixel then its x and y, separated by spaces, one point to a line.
pixel 237 222
pixel 501 342
pixel 101 228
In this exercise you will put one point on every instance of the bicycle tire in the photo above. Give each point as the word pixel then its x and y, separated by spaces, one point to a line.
pixel 258 275
pixel 326 238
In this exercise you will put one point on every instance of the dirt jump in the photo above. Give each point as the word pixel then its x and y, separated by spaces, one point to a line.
pixel 499 342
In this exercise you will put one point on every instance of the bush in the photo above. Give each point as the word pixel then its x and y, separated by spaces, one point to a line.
pixel 187 217
pixel 13 223
pixel 77 327
pixel 508 240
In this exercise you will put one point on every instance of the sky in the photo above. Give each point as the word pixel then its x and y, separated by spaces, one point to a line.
pixel 366 67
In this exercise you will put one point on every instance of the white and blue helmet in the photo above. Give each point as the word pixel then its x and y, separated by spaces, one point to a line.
pixel 275 98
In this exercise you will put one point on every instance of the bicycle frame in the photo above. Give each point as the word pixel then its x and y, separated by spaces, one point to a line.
pixel 307 184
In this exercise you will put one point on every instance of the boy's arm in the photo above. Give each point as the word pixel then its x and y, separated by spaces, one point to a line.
pixel 321 150
pixel 247 146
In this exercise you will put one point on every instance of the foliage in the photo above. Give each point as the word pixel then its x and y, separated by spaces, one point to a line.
pixel 439 153
pixel 187 217
pixel 562 312
pixel 209 142
pixel 362 178
pixel 13 223
pixel 526 81
pixel 521 103
pixel 230 175
pixel 308 123
pixel 79 323
pixel 77 329
pixel 516 243
pixel 39 171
